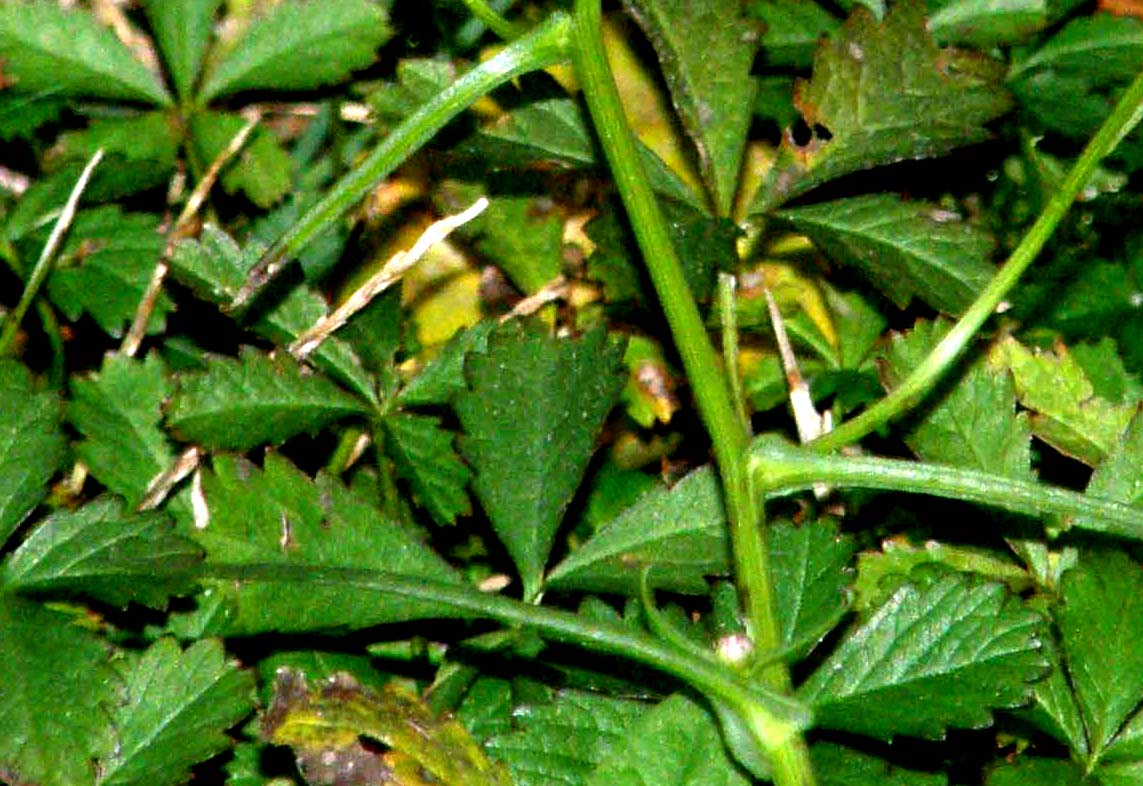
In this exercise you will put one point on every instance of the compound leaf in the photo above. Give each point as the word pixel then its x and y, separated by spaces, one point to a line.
pixel 32 445
pixel 262 170
pixel 301 45
pixel 239 403
pixel 424 456
pixel 68 53
pixel 105 552
pixel 530 417
pixel 678 533
pixel 182 29
pixel 140 153
pixel 883 92
pixel 934 656
pixel 58 689
pixel 178 707
pixel 906 249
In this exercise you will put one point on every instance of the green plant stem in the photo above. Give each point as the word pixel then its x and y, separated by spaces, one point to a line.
pixel 47 256
pixel 784 468
pixel 544 46
pixel 780 717
pixel 492 19
pixel 925 376
pixel 712 394
pixel 728 316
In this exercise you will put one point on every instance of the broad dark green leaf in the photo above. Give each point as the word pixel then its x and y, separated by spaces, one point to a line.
pixel 530 418
pixel 679 533
pixel 277 515
pixel 1031 771
pixel 974 424
pixel 706 51
pixel 57 696
pixel 105 266
pixel 300 45
pixel 839 766
pixel 1125 773
pixel 140 153
pixel 1054 707
pixel 32 445
pixel 1101 624
pixel 68 53
pixel 22 114
pixel 424 455
pixel 215 269
pixel 182 29
pixel 1120 476
pixel 677 742
pixel 883 92
pixel 935 656
pixel 907 249
pixel 810 567
pixel 985 24
pixel 105 552
pixel 178 707
pixel 443 376
pixel 792 30
pixel 240 403
pixel 262 170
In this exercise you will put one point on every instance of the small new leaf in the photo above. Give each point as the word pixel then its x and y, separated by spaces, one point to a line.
pixel 240 403
pixel 530 417
pixel 424 455
pixel 178 707
pixel 182 29
pixel 883 92
pixel 935 656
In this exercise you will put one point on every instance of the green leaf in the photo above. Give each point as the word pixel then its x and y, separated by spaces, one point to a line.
pixel 424 455
pixel 883 92
pixel 21 115
pixel 418 80
pixel 443 377
pixel 118 412
pixel 974 424
pixel 32 445
pixel 1119 774
pixel 676 742
pixel 240 403
pixel 140 153
pixel 1103 47
pixel 1055 709
pixel 985 24
pixel 706 51
pixel 839 766
pixel 178 707
pixel 277 515
pixel 1128 743
pixel 1066 412
pixel 945 654
pixel 301 45
pixel 106 265
pixel 907 249
pixel 792 30
pixel 58 689
pixel 523 236
pixel 182 28
pixel 1118 477
pixel 215 269
pixel 530 418
pixel 585 726
pixel 68 53
pixel 103 551
pixel 678 533
pixel 262 170
pixel 1100 623
pixel 1030 771
pixel 809 563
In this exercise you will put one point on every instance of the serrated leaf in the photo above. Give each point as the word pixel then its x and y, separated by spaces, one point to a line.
pixel 792 30
pixel 974 424
pixel 883 92
pixel 32 445
pixel 68 53
pixel 985 24
pixel 1031 771
pixel 58 689
pixel 443 377
pixel 424 456
pixel 1054 708
pixel 106 265
pixel 677 742
pixel 1127 746
pixel 182 29
pixel 215 269
pixel 1066 412
pixel 907 249
pixel 140 153
pixel 678 533
pixel 1100 623
pixel 262 170
pixel 299 45
pixel 324 726
pixel 1119 477
pixel 240 403
pixel 278 516
pixel 418 80
pixel 530 418
pixel 105 552
pixel 810 565
pixel 839 766
pixel 706 51
pixel 559 743
pixel 523 235
pixel 178 707
pixel 933 657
